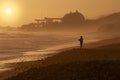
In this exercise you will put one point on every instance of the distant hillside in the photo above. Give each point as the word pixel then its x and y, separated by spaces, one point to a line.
pixel 75 21
pixel 109 23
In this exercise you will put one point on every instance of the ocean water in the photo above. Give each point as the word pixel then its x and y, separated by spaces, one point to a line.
pixel 19 47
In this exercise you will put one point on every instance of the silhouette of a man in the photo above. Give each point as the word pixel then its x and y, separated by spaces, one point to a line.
pixel 81 41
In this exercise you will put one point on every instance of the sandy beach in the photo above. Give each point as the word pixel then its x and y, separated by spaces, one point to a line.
pixel 98 52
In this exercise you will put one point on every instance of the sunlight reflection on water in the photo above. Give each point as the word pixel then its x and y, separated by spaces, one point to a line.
pixel 20 48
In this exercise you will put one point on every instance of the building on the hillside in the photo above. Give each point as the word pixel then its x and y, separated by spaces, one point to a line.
pixel 72 18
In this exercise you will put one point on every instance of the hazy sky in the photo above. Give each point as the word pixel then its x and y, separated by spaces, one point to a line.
pixel 25 11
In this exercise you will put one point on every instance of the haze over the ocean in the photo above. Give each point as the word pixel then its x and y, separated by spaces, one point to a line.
pixel 25 11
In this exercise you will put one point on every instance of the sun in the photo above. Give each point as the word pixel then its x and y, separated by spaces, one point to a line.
pixel 8 11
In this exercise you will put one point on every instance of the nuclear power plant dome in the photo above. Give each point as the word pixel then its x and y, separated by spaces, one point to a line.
pixel 73 18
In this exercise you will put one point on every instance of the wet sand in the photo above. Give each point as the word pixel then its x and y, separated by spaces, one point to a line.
pixel 99 61
pixel 32 56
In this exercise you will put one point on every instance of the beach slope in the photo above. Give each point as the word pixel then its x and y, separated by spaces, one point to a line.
pixel 98 63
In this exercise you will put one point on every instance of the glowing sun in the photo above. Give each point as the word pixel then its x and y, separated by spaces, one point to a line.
pixel 8 11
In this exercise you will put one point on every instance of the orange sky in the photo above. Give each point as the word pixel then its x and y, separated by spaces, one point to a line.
pixel 25 11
